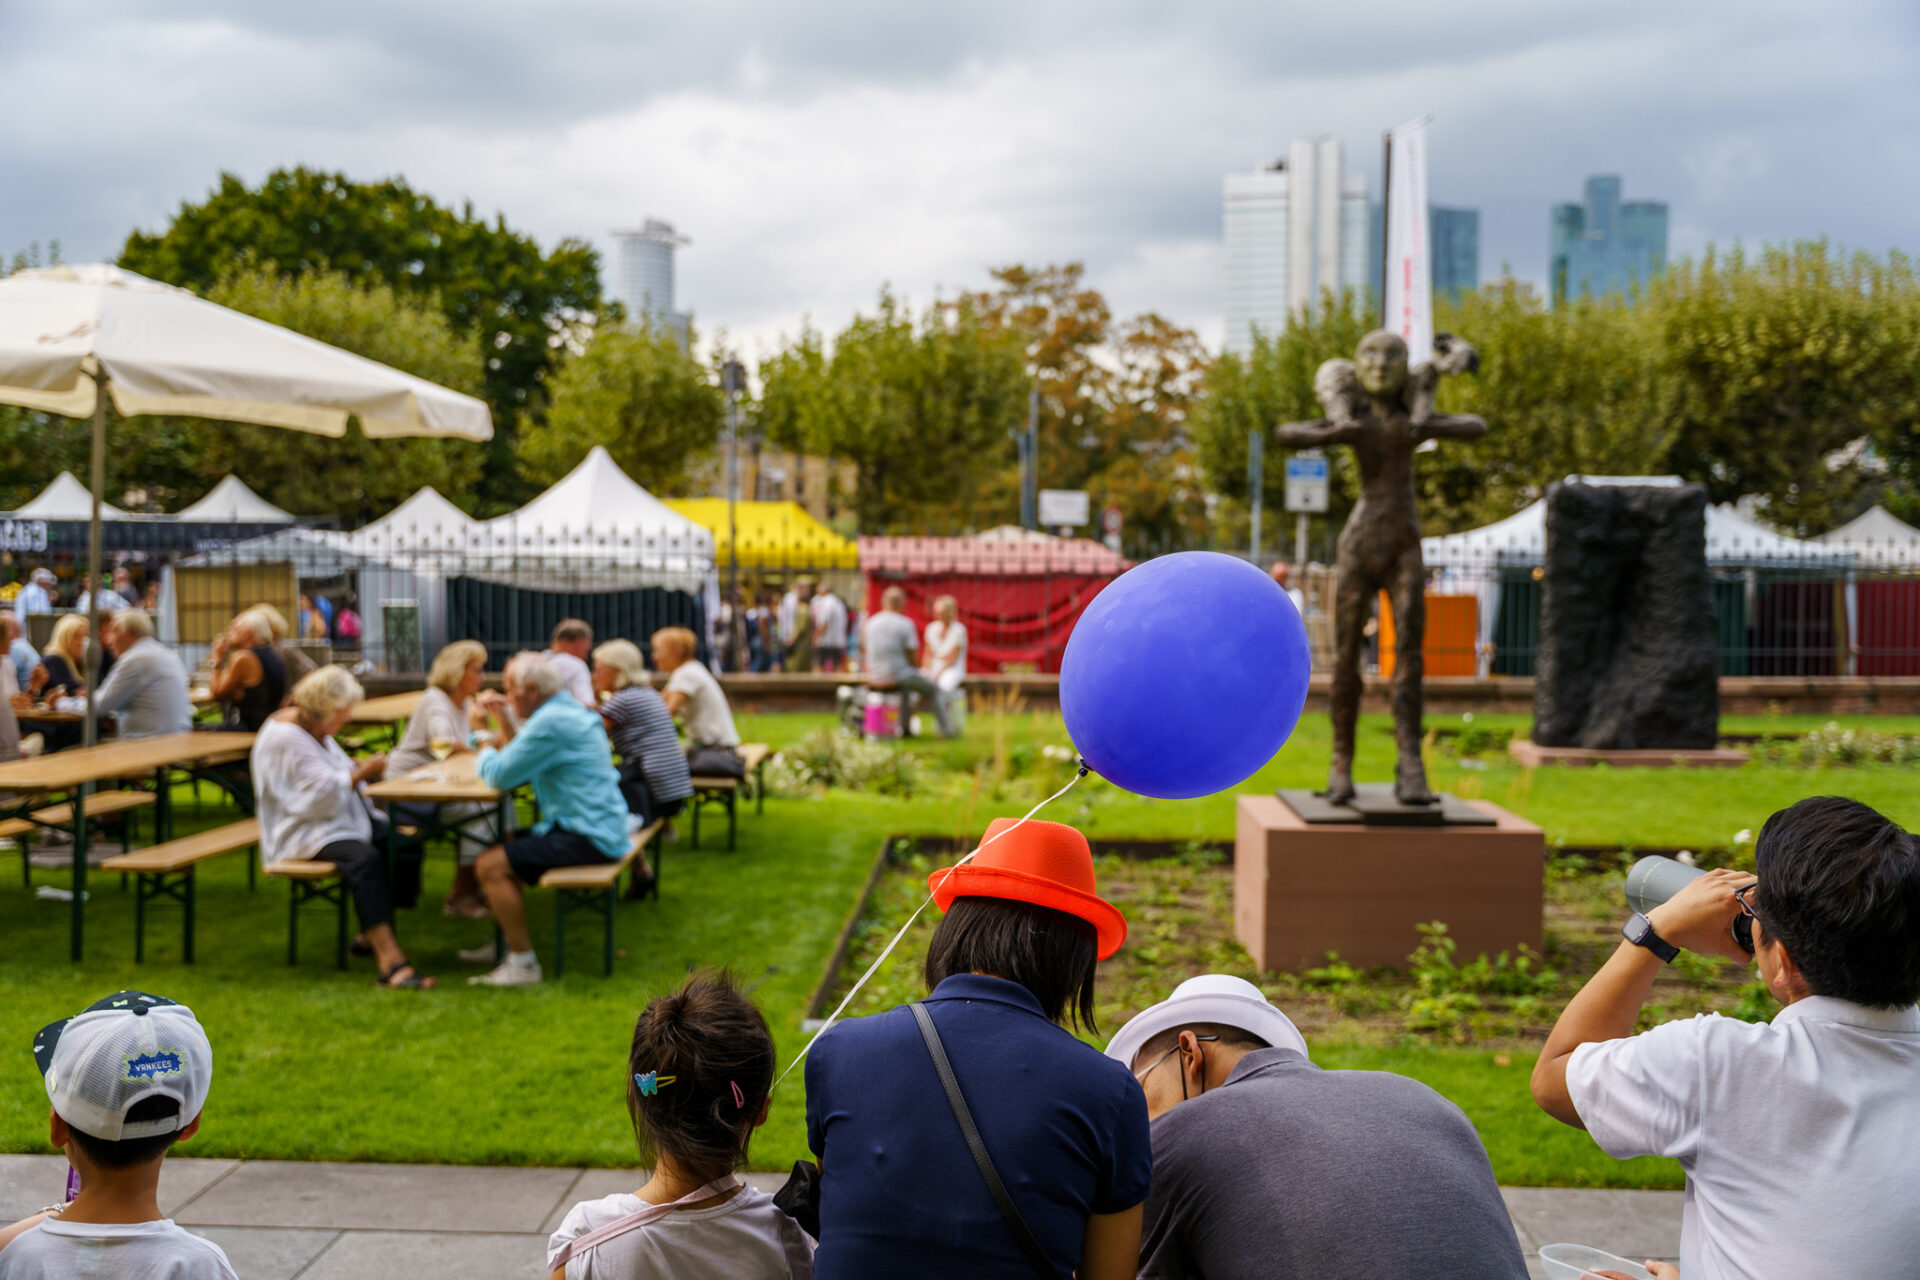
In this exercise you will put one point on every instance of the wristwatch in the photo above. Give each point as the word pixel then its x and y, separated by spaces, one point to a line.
pixel 1639 931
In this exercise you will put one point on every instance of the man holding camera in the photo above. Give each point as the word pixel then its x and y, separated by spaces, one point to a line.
pixel 1798 1135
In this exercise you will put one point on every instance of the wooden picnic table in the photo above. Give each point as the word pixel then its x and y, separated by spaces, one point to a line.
pixel 25 783
pixel 390 709
pixel 451 781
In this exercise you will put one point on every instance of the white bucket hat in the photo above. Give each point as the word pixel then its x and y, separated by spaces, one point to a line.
pixel 1212 997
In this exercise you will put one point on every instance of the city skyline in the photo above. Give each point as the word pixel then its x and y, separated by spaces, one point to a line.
pixel 1604 244
pixel 1291 232
pixel 924 149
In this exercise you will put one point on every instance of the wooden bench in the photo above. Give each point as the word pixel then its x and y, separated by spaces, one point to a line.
pixel 167 871
pixel 313 881
pixel 725 791
pixel 101 804
pixel 591 887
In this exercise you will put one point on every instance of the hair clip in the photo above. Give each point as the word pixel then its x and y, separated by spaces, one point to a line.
pixel 739 1100
pixel 649 1082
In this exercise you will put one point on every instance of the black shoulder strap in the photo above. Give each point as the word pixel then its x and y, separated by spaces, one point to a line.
pixel 1022 1234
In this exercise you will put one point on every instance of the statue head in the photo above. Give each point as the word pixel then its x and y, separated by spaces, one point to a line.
pixel 1381 363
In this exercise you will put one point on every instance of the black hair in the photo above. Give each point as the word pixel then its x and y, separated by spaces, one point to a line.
pixel 1051 953
pixel 130 1153
pixel 1840 889
pixel 1229 1037
pixel 713 1042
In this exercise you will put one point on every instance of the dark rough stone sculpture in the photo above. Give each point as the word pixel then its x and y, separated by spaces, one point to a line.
pixel 1384 411
pixel 1627 656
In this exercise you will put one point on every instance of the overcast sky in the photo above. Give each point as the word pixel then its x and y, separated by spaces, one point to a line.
pixel 814 151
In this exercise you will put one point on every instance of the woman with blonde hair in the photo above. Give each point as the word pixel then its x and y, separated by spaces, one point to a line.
pixel 438 729
pixel 309 801
pixel 62 672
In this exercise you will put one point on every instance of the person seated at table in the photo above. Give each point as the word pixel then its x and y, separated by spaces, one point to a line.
pixel 147 687
pixel 697 701
pixel 62 672
pixel 111 601
pixel 561 749
pixel 292 656
pixel 653 770
pixel 572 641
pixel 20 654
pixel 310 805
pixel 436 729
pixel 249 679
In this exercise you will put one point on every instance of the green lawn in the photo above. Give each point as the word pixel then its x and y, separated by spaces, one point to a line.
pixel 315 1064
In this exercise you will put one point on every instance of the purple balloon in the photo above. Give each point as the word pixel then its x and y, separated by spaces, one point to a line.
pixel 1185 676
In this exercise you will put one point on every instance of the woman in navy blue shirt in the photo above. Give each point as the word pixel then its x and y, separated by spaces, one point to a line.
pixel 1066 1127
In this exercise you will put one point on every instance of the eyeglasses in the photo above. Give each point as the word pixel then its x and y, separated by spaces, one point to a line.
pixel 1141 1076
pixel 1742 927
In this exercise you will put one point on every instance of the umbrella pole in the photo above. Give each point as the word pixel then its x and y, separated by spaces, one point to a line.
pixel 90 727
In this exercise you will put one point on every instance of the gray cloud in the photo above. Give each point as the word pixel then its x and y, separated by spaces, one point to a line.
pixel 815 151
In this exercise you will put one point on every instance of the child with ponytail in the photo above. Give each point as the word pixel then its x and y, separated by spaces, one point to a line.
pixel 698 1082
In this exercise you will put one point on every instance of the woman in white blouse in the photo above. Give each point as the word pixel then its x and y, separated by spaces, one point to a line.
pixel 441 720
pixel 946 646
pixel 310 805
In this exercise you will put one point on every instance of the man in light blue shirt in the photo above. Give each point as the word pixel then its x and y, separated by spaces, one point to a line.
pixel 37 595
pixel 561 749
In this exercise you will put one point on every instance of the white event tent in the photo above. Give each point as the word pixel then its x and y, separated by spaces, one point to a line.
pixel 1880 540
pixel 232 501
pixel 593 531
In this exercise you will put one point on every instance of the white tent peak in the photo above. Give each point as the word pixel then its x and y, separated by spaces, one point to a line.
pixel 598 497
pixel 1880 538
pixel 234 500
pixel 66 499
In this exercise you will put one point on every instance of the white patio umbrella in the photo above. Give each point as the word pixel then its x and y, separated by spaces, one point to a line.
pixel 68 334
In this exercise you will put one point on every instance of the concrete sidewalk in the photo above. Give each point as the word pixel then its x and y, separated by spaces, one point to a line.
pixel 279 1220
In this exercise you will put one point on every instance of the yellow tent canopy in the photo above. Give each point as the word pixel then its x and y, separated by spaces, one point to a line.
pixel 773 535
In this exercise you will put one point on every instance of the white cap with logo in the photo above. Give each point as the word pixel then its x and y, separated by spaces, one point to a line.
pixel 120 1051
pixel 1212 997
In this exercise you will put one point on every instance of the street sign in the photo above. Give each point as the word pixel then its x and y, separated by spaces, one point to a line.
pixel 1110 522
pixel 1060 507
pixel 1306 483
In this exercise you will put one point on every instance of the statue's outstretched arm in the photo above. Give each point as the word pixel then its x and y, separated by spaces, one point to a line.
pixel 1451 426
pixel 1311 435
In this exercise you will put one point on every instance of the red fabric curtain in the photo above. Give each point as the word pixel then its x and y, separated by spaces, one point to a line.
pixel 1011 619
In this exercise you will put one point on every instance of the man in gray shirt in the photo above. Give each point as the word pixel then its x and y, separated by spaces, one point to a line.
pixel 1266 1166
pixel 890 643
pixel 147 687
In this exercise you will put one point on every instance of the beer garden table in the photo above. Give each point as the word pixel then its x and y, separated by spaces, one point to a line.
pixel 451 781
pixel 25 785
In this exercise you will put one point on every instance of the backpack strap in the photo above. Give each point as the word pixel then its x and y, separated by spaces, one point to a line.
pixel 634 1221
pixel 1022 1234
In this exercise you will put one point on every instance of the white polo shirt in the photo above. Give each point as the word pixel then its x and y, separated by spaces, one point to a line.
pixel 1800 1137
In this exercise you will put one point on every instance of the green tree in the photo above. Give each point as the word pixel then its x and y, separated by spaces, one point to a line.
pixel 919 406
pixel 494 285
pixel 642 396
pixel 175 460
pixel 1778 369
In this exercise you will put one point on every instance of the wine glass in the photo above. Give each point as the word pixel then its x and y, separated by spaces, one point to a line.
pixel 440 749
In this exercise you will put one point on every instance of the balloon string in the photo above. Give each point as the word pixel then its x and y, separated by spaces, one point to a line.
pixel 881 959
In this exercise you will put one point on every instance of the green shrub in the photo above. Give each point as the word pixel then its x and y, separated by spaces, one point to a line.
pixel 842 760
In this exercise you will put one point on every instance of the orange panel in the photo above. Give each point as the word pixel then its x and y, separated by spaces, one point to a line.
pixel 1453 634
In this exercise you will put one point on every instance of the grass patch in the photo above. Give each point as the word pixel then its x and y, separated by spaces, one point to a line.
pixel 315 1064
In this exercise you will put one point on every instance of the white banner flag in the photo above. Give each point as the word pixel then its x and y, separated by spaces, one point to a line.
pixel 1409 300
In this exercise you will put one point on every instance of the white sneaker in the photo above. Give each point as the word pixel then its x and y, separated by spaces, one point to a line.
pixel 508 974
pixel 483 954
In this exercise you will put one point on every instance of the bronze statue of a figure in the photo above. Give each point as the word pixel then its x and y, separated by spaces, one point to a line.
pixel 1385 411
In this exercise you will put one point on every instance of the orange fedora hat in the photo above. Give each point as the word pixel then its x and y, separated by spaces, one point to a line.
pixel 1046 863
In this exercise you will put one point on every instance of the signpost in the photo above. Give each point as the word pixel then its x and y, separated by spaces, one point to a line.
pixel 1306 492
pixel 1110 526
pixel 1065 508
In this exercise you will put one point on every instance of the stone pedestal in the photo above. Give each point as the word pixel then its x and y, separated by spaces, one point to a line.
pixel 1301 890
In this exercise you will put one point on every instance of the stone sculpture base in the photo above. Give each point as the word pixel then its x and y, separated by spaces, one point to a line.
pixel 1303 889
pixel 1532 755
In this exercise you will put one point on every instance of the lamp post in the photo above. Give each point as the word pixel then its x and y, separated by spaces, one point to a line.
pixel 733 379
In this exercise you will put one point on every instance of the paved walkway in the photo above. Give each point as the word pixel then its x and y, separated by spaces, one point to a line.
pixel 279 1220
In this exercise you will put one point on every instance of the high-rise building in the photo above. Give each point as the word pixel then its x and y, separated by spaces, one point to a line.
pixel 644 285
pixel 1294 231
pixel 1605 245
pixel 1455 249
